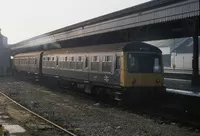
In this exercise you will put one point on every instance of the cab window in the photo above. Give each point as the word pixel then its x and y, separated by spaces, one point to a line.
pixel 144 63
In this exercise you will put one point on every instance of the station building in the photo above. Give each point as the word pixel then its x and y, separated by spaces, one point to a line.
pixel 4 55
pixel 177 52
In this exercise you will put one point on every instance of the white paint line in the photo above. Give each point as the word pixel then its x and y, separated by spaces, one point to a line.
pixel 184 92
pixel 14 129
pixel 173 79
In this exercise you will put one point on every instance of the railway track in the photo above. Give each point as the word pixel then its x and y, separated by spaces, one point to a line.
pixel 38 116
pixel 176 109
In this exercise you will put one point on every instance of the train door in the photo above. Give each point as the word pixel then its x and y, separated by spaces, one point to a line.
pixel 86 68
pixel 87 74
pixel 40 63
pixel 57 66
pixel 117 67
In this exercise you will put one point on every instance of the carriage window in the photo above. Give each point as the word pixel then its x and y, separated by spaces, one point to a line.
pixel 117 62
pixel 95 63
pixel 52 58
pixel 107 64
pixel 95 59
pixel 48 58
pixel 80 58
pixel 107 59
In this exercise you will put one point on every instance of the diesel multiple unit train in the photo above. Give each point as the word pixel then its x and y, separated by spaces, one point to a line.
pixel 132 69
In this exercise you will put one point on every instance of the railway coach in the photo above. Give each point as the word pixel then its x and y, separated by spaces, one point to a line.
pixel 132 70
pixel 28 62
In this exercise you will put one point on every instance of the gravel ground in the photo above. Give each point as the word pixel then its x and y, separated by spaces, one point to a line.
pixel 32 124
pixel 85 117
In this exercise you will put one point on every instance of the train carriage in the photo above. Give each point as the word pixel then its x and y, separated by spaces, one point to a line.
pixel 84 64
pixel 28 62
pixel 133 68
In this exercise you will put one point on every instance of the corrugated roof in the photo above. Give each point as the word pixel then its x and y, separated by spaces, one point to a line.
pixel 134 9
pixel 152 12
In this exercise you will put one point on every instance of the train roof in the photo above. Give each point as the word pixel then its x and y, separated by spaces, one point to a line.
pixel 29 54
pixel 130 46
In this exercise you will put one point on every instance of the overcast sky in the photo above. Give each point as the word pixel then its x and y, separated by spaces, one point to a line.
pixel 22 19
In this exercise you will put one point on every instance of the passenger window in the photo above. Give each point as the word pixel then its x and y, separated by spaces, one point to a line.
pixel 80 59
pixel 118 62
pixel 107 59
pixel 107 64
pixel 95 59
pixel 95 63
pixel 35 61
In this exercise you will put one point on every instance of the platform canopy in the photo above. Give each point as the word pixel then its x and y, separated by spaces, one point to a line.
pixel 153 20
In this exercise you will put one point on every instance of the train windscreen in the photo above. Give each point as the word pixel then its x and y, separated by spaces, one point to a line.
pixel 144 63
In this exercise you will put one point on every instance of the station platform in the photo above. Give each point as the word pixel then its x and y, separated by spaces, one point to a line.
pixel 8 125
pixel 178 73
pixel 181 86
pixel 178 70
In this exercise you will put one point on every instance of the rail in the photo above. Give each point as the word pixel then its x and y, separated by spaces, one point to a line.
pixel 35 114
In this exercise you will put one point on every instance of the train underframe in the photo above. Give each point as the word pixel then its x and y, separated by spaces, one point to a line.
pixel 131 95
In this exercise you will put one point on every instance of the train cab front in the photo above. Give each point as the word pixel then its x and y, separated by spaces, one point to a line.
pixel 142 76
